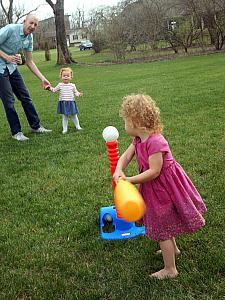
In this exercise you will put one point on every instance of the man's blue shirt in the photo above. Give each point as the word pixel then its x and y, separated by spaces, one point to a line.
pixel 12 40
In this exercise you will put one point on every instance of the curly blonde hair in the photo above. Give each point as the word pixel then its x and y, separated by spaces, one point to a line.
pixel 65 70
pixel 142 111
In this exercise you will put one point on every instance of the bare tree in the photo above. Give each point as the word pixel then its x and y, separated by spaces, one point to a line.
pixel 153 13
pixel 116 33
pixel 96 28
pixel 133 16
pixel 145 21
pixel 14 13
pixel 3 20
pixel 63 55
pixel 214 19
pixel 77 19
pixel 107 28
pixel 8 12
pixel 210 14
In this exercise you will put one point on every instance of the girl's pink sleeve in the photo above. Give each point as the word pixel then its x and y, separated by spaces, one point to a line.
pixel 55 89
pixel 157 144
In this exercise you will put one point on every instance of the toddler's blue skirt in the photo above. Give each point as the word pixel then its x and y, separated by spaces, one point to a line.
pixel 67 108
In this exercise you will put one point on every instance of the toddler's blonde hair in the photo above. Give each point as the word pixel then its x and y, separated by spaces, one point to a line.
pixel 142 111
pixel 65 70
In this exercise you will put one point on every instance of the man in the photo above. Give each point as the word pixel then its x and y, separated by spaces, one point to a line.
pixel 13 38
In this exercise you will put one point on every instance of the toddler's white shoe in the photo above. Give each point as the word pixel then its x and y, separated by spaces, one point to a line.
pixel 79 128
pixel 41 129
pixel 64 131
pixel 19 136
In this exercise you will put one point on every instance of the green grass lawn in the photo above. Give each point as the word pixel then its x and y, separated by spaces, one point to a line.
pixel 53 186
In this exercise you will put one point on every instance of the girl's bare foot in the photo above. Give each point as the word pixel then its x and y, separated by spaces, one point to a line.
pixel 162 274
pixel 177 252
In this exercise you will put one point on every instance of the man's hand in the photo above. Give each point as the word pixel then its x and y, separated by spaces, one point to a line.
pixel 13 59
pixel 46 84
pixel 47 87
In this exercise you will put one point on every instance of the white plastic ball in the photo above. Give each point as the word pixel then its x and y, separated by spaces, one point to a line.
pixel 110 134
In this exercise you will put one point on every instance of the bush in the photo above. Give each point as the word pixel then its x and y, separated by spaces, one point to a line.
pixel 47 52
pixel 98 41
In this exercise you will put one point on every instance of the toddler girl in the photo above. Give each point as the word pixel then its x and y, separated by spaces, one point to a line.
pixel 173 205
pixel 67 105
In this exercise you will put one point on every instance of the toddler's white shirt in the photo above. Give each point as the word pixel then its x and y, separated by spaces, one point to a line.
pixel 67 91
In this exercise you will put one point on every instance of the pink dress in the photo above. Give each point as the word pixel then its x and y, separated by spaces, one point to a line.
pixel 173 205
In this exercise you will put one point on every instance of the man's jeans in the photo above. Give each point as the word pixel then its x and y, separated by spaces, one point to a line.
pixel 13 84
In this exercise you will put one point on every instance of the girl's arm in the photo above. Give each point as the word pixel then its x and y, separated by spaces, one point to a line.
pixel 123 162
pixel 54 89
pixel 76 93
pixel 155 163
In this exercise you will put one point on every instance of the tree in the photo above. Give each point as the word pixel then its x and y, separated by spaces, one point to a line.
pixel 133 17
pixel 153 14
pixel 181 24
pixel 3 20
pixel 8 12
pixel 145 21
pixel 211 15
pixel 77 19
pixel 96 28
pixel 14 13
pixel 116 34
pixel 63 55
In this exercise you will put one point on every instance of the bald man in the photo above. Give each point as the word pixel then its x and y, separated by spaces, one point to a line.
pixel 15 38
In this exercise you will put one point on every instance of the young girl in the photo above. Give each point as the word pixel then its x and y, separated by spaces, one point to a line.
pixel 67 105
pixel 173 205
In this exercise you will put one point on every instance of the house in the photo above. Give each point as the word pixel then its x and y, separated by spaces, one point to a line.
pixel 46 33
pixel 77 35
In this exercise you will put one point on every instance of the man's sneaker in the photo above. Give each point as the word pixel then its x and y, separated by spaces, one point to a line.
pixel 19 136
pixel 41 129
pixel 64 131
pixel 79 128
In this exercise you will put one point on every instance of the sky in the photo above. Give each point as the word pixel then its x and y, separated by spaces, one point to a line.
pixel 70 6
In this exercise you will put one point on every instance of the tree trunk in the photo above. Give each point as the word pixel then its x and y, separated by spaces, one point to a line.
pixel 62 49
pixel 60 57
pixel 63 55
